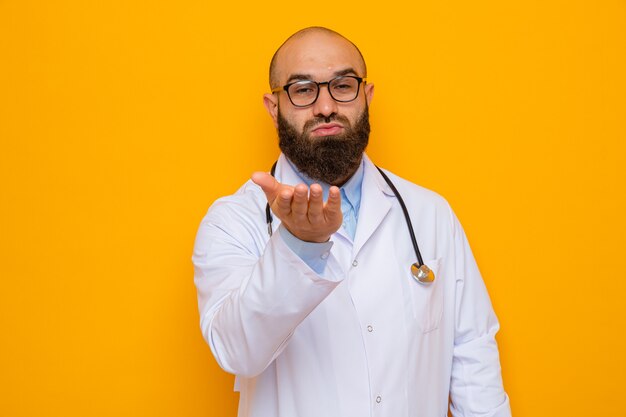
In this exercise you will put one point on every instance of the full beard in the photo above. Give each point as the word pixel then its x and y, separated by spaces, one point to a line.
pixel 330 159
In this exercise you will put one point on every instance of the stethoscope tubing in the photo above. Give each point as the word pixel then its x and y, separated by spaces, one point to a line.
pixel 407 217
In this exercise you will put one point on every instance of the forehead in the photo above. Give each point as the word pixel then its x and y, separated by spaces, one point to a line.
pixel 318 54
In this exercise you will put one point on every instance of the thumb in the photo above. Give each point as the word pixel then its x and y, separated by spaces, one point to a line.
pixel 268 184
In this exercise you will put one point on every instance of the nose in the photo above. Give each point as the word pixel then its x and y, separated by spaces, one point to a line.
pixel 325 105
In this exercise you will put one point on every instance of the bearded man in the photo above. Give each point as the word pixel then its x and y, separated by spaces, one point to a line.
pixel 309 289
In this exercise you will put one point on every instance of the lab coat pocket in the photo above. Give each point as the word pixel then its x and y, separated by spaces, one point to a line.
pixel 427 299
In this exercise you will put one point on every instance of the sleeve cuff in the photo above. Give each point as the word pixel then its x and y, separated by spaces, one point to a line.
pixel 315 255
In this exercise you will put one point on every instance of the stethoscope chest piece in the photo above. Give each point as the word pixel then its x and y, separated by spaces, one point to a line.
pixel 422 274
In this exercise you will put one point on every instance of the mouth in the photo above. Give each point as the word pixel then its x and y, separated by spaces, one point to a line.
pixel 327 129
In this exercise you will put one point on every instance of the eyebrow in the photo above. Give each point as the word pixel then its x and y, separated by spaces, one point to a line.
pixel 309 77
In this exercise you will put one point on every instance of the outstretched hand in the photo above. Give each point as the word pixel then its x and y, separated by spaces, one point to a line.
pixel 302 211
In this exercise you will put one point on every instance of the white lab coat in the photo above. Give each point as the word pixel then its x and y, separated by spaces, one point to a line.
pixel 363 338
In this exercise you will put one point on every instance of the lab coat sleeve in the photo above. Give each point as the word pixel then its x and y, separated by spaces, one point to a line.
pixel 252 294
pixel 476 382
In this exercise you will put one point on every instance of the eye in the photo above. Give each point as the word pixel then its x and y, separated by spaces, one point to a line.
pixel 344 85
pixel 303 88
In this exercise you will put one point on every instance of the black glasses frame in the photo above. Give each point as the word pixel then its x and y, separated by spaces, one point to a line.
pixel 327 84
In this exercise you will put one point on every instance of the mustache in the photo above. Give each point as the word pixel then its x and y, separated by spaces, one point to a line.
pixel 318 120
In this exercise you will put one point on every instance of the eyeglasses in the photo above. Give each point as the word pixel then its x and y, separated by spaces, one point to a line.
pixel 343 89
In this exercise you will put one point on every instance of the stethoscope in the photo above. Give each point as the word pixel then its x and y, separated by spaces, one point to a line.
pixel 420 272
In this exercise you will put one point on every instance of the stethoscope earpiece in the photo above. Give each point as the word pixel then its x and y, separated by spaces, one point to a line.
pixel 422 274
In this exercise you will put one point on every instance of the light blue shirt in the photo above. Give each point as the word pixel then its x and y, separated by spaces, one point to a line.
pixel 310 252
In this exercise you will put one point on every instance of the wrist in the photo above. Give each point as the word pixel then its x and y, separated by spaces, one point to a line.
pixel 308 237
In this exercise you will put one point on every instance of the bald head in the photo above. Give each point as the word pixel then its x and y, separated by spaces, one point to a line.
pixel 304 43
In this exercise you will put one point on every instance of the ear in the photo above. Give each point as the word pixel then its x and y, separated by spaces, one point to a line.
pixel 369 93
pixel 270 101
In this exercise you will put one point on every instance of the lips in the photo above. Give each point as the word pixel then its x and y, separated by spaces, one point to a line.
pixel 327 129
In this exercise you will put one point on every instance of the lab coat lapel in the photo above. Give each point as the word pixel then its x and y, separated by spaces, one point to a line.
pixel 375 204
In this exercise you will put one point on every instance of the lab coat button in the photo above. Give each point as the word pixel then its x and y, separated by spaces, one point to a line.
pixel 379 399
pixel 370 328
pixel 355 263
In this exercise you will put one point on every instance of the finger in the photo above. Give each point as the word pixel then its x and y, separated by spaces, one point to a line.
pixel 316 203
pixel 332 208
pixel 282 203
pixel 300 203
pixel 268 184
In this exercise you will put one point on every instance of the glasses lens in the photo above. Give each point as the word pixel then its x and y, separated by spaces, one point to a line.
pixel 303 93
pixel 344 88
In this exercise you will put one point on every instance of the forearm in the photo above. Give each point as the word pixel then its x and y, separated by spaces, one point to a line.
pixel 250 307
pixel 476 382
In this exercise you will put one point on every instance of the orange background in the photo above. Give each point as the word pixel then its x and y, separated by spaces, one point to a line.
pixel 120 123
